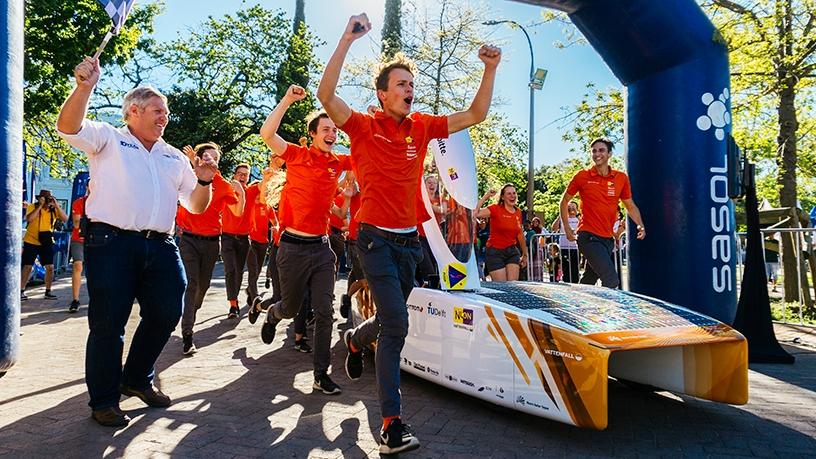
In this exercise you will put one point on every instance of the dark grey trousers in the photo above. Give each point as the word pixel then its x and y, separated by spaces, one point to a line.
pixel 301 267
pixel 255 259
pixel 199 257
pixel 234 250
pixel 600 262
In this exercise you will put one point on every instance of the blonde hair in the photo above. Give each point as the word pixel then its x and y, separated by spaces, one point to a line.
pixel 139 97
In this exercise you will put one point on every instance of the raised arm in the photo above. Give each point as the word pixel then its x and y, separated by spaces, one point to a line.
pixel 269 130
pixel 477 112
pixel 336 107
pixel 484 212
pixel 634 214
pixel 75 107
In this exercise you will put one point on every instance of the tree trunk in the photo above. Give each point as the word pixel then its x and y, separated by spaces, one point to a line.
pixel 786 143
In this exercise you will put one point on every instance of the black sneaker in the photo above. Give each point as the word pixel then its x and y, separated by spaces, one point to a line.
pixel 233 312
pixel 268 329
pixel 254 310
pixel 50 296
pixel 302 346
pixel 397 438
pixel 188 348
pixel 345 306
pixel 74 307
pixel 326 385
pixel 354 360
pixel 23 296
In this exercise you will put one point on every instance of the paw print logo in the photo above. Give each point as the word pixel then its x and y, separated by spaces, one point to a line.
pixel 716 116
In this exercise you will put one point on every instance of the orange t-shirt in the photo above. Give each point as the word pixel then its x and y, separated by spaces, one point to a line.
pixel 354 224
pixel 262 215
pixel 208 223
pixel 77 208
pixel 242 224
pixel 505 227
pixel 334 220
pixel 599 199
pixel 311 185
pixel 388 159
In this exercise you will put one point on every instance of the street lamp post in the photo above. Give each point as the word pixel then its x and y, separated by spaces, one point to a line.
pixel 537 77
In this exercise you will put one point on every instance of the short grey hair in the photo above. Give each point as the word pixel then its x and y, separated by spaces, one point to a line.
pixel 139 97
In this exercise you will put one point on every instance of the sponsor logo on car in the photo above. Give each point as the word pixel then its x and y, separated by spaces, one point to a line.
pixel 437 312
pixel 451 378
pixel 419 367
pixel 563 354
pixel 467 383
pixel 520 400
pixel 431 371
pixel 463 318
pixel 413 307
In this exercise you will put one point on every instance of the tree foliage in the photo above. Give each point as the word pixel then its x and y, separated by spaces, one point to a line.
pixel 58 35
pixel 297 68
pixel 226 82
pixel 392 29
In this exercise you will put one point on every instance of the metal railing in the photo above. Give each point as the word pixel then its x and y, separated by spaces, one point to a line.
pixel 802 240
pixel 540 264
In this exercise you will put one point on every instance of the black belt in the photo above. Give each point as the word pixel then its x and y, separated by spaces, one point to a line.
pixel 236 236
pixel 146 234
pixel 336 230
pixel 295 239
pixel 200 237
pixel 404 239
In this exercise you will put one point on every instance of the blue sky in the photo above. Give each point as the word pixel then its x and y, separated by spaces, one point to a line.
pixel 569 69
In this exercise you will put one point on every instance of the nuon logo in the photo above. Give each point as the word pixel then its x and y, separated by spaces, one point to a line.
pixel 716 116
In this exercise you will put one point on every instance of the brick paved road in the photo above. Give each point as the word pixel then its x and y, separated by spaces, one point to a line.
pixel 238 397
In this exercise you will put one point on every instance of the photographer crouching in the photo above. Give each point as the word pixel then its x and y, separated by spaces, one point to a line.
pixel 39 239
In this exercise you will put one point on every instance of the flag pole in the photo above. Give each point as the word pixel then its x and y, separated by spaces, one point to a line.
pixel 105 41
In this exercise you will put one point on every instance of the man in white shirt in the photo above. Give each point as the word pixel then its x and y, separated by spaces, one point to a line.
pixel 129 252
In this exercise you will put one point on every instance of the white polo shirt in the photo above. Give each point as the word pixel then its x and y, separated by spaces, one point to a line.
pixel 133 189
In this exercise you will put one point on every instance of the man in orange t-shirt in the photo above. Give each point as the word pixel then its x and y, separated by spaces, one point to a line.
pixel 199 241
pixel 261 217
pixel 305 259
pixel 600 187
pixel 235 241
pixel 388 149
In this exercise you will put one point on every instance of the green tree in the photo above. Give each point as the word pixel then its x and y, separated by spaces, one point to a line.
pixel 392 29
pixel 501 155
pixel 224 87
pixel 298 68
pixel 58 35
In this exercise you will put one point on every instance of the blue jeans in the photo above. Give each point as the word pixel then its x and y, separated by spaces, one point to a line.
pixel 121 268
pixel 389 268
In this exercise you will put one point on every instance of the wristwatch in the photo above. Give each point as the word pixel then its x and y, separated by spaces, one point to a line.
pixel 203 183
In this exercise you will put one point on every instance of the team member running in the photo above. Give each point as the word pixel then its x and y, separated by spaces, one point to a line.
pixel 305 259
pixel 199 243
pixel 235 240
pixel 502 259
pixel 600 187
pixel 388 150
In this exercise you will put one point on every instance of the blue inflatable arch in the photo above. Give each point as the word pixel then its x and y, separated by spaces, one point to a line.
pixel 11 180
pixel 674 65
